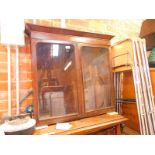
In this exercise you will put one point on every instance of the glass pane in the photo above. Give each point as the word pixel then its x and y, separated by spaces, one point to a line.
pixel 96 77
pixel 56 79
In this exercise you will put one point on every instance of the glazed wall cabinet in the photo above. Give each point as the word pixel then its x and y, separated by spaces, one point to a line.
pixel 72 75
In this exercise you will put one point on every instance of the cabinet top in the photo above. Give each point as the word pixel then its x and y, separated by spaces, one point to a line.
pixel 55 30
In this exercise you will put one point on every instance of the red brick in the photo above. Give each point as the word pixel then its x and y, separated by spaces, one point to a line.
pixel 3 95
pixel 3 67
pixel 23 49
pixel 28 48
pixel 3 56
pixel 3 105
pixel 3 113
pixel 3 76
pixel 13 94
pixel 24 55
pixel 26 85
pixel 13 102
pixel 3 86
pixel 3 48
pixel 25 67
pixel 21 94
pixel 22 85
pixel 25 76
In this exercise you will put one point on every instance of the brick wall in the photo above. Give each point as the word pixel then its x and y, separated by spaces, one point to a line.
pixel 120 28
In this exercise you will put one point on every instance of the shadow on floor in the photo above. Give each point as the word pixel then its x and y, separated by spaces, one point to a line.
pixel 128 131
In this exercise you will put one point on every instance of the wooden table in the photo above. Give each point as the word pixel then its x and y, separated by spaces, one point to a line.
pixel 87 125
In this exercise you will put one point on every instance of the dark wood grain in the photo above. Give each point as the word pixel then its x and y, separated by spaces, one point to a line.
pixel 62 31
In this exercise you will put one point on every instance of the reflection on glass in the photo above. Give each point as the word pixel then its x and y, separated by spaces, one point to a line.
pixel 96 77
pixel 56 79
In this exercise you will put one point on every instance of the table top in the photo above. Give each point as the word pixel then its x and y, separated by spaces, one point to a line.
pixel 85 125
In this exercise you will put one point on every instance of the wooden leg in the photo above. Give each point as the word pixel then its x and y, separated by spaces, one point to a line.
pixel 118 130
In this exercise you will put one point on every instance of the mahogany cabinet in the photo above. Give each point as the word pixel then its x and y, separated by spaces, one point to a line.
pixel 72 75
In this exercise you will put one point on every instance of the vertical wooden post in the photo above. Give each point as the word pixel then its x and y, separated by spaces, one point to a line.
pixel 118 129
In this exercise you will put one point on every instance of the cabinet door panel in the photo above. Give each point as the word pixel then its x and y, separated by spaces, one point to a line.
pixel 96 77
pixel 56 74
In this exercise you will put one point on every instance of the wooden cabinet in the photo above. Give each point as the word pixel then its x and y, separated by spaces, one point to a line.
pixel 72 75
pixel 122 56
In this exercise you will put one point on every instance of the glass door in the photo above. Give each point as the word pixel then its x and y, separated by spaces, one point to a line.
pixel 56 74
pixel 96 78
